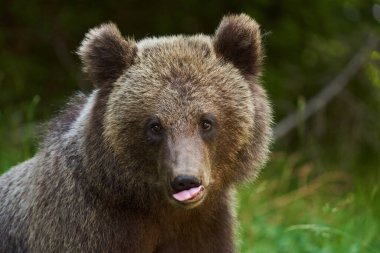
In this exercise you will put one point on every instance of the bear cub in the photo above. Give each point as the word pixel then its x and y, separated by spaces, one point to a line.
pixel 148 161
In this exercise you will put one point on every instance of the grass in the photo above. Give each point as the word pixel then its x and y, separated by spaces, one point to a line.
pixel 294 206
pixel 17 134
pixel 290 210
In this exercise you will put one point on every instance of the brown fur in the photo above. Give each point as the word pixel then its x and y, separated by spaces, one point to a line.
pixel 101 180
pixel 106 54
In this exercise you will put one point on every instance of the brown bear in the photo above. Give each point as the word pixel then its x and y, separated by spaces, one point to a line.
pixel 149 160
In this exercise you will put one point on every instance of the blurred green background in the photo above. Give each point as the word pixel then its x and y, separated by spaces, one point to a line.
pixel 320 191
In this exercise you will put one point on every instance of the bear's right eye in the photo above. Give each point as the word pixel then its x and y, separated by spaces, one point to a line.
pixel 156 128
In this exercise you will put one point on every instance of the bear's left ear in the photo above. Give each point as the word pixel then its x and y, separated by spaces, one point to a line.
pixel 106 54
pixel 238 41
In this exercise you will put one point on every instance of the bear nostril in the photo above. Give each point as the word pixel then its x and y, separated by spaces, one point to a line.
pixel 184 182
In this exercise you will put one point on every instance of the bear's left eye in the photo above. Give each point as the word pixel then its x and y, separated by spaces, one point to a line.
pixel 206 125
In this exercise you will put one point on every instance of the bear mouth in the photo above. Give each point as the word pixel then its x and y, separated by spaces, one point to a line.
pixel 190 196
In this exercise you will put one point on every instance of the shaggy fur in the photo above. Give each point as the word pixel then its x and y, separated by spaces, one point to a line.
pixel 101 179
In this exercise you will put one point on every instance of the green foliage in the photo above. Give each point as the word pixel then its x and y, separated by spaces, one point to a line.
pixel 17 132
pixel 292 209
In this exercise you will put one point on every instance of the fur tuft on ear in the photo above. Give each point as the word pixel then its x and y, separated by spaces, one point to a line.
pixel 238 41
pixel 106 54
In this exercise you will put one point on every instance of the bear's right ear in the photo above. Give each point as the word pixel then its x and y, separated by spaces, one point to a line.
pixel 106 54
pixel 238 41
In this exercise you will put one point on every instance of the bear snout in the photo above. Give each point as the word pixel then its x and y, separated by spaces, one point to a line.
pixel 184 182
pixel 187 189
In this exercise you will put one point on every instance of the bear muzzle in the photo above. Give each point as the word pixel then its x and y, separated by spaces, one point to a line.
pixel 187 188
pixel 188 171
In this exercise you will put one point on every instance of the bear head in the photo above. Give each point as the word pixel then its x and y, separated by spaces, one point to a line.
pixel 186 116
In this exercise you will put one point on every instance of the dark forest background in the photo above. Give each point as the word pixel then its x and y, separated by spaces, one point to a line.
pixel 321 190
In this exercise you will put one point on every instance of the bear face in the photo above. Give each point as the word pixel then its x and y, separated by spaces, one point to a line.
pixel 187 112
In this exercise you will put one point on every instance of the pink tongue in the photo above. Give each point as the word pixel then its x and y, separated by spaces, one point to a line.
pixel 188 194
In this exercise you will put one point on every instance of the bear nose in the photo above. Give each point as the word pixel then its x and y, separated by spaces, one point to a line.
pixel 184 182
